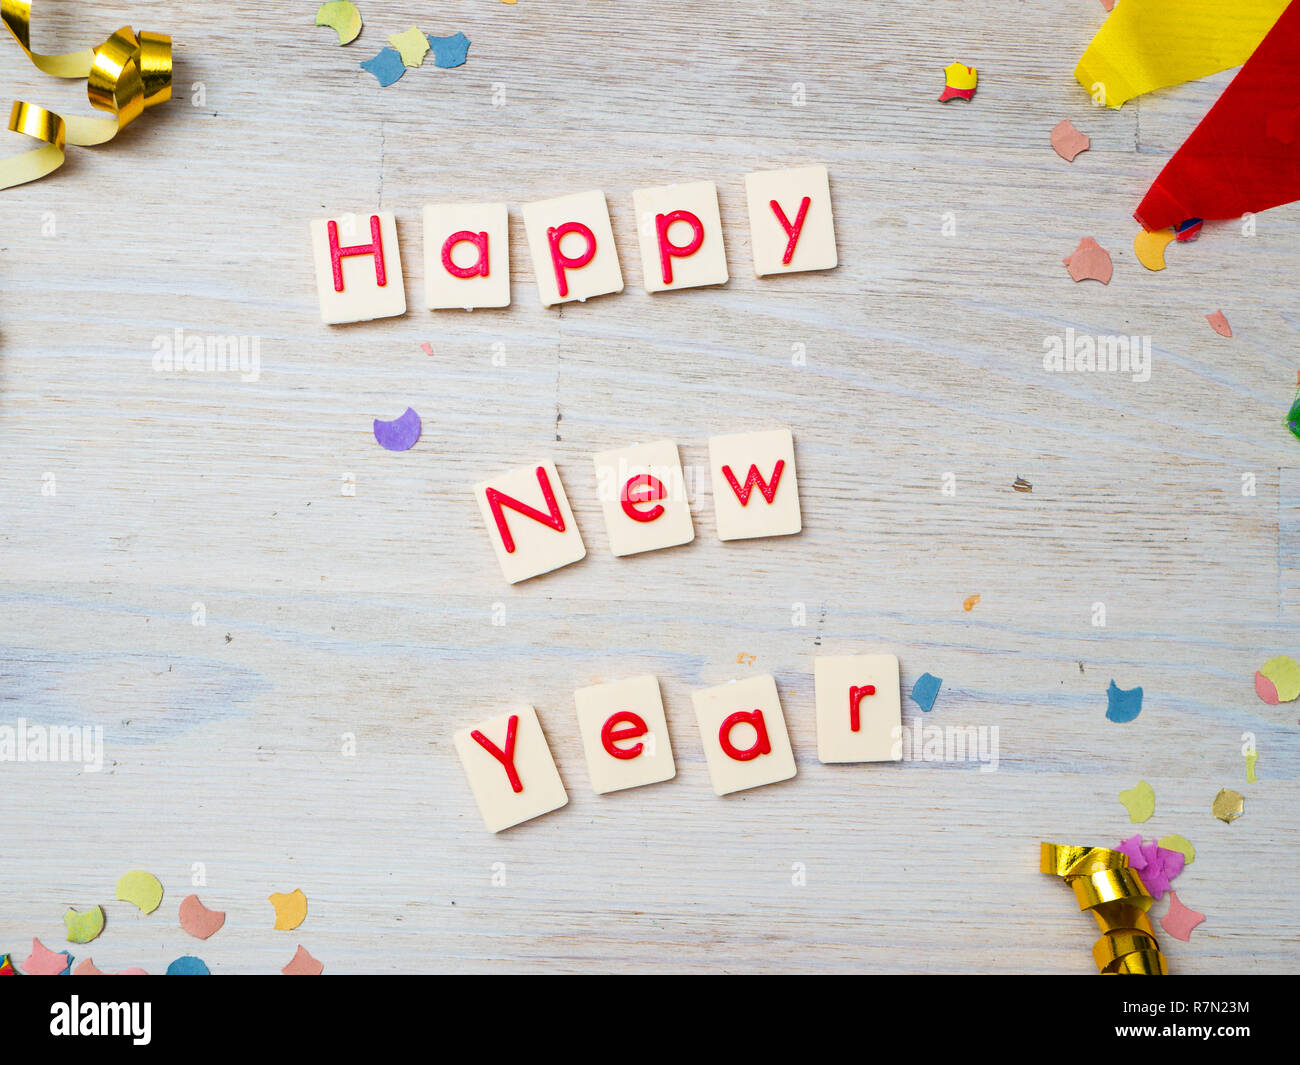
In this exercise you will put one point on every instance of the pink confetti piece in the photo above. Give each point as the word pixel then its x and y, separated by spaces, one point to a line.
pixel 1156 865
pixel 1180 920
pixel 1219 324
pixel 303 964
pixel 89 968
pixel 45 962
pixel 1068 141
pixel 1133 848
pixel 1089 262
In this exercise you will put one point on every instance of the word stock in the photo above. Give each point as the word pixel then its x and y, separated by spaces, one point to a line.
pixel 644 501
pixel 467 246
pixel 625 737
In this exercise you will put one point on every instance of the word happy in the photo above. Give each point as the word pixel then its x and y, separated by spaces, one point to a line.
pixel 467 254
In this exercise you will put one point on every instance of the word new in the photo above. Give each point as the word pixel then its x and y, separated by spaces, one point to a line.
pixel 467 246
pixel 644 501
pixel 625 737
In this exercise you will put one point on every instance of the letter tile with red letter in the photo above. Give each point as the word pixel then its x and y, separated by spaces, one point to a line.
pixel 625 734
pixel 790 220
pixel 510 769
pixel 859 708
pixel 680 234
pixel 572 247
pixel 643 496
pixel 358 267
pixel 743 731
pixel 755 491
pixel 529 521
pixel 466 255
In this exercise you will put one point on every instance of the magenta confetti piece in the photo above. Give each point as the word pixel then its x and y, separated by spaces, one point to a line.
pixel 401 433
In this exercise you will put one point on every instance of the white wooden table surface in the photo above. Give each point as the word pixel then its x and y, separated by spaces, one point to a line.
pixel 371 614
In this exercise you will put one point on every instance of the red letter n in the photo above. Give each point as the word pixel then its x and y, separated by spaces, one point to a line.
pixel 375 248
pixel 553 518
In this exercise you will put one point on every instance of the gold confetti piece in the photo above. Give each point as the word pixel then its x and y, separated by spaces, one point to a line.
pixel 1139 801
pixel 1227 806
pixel 1175 842
pixel 1021 485
pixel 411 46
pixel 1105 885
pixel 342 17
pixel 1149 247
pixel 124 76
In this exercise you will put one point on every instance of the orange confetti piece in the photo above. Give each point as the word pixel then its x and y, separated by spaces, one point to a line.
pixel 303 964
pixel 968 604
pixel 1219 324
pixel 1089 261
pixel 1068 141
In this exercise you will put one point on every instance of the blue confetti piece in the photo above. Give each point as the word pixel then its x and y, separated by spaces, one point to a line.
pixel 387 66
pixel 188 965
pixel 67 969
pixel 1123 706
pixel 449 51
pixel 925 691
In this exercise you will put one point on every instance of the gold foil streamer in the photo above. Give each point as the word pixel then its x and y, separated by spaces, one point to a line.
pixel 125 75
pixel 1105 886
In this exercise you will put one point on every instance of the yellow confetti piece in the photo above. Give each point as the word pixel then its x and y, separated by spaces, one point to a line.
pixel 1175 842
pixel 1105 885
pixel 124 76
pixel 342 17
pixel 85 926
pixel 1228 805
pixel 290 909
pixel 1251 758
pixel 1139 801
pixel 959 82
pixel 411 45
pixel 1278 680
pixel 1149 247
pixel 140 888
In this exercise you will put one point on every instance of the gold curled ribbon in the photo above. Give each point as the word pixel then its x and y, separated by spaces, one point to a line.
pixel 125 75
pixel 1107 887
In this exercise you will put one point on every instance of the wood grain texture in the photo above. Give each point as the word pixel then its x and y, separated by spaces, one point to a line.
pixel 371 614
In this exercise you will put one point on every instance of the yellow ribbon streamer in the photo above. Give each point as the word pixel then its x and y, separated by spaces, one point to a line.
pixel 125 75
pixel 1106 886
pixel 1150 44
